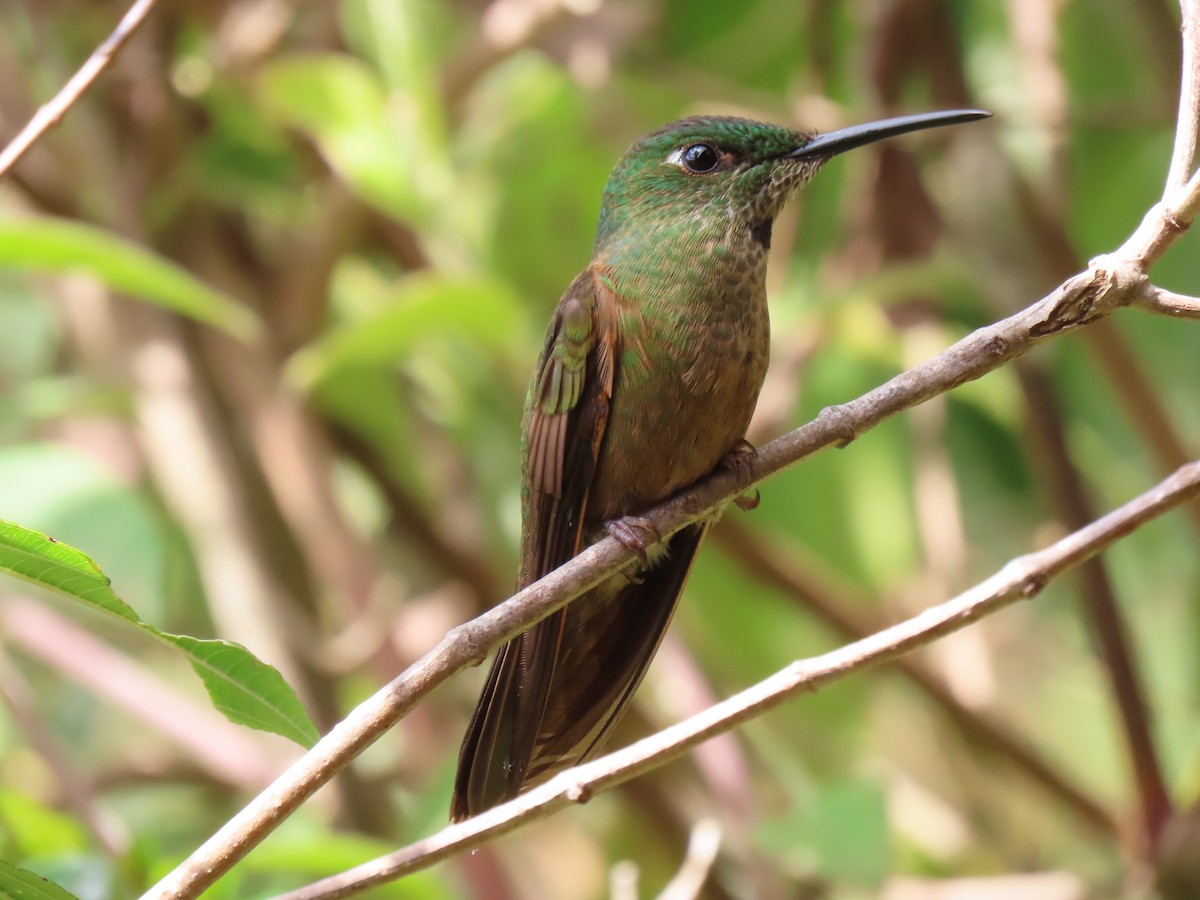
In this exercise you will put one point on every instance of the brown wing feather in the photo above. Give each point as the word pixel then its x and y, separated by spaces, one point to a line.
pixel 566 414
pixel 616 637
pixel 556 691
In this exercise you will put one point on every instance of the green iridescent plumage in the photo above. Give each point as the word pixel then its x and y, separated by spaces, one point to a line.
pixel 647 381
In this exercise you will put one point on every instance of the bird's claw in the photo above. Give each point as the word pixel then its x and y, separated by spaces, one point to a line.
pixel 740 461
pixel 748 500
pixel 636 533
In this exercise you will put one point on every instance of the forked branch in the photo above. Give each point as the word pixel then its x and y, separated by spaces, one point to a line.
pixel 1112 281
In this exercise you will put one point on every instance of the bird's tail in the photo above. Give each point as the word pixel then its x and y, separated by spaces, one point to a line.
pixel 555 692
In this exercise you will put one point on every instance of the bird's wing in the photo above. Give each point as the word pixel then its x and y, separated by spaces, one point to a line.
pixel 609 640
pixel 579 667
pixel 566 414
pixel 565 417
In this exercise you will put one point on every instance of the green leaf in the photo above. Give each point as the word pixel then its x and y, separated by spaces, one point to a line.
pixel 56 489
pixel 21 884
pixel 343 106
pixel 423 307
pixel 43 561
pixel 58 245
pixel 245 689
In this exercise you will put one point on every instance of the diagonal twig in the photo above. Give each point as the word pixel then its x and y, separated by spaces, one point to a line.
pixel 783 568
pixel 51 113
pixel 1111 281
pixel 1087 297
pixel 1020 579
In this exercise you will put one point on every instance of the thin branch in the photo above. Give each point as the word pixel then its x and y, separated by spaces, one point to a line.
pixel 1168 303
pixel 1109 282
pixel 1085 298
pixel 1183 158
pixel 1020 579
pixel 1181 196
pixel 51 113
pixel 779 567
pixel 1188 205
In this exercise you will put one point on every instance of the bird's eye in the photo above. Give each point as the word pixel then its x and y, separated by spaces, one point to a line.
pixel 699 159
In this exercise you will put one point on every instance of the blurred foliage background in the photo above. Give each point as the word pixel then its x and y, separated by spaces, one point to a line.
pixel 398 191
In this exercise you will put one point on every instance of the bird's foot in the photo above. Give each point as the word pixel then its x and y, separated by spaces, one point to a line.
pixel 748 501
pixel 740 461
pixel 637 533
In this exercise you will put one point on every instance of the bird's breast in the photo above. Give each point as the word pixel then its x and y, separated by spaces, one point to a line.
pixel 688 377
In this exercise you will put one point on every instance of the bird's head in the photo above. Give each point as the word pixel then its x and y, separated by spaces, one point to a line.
pixel 733 170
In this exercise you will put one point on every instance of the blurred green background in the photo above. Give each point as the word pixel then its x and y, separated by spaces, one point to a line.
pixel 398 190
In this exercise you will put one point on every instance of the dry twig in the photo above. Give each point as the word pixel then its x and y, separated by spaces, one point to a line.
pixel 51 113
pixel 1089 296
pixel 1020 579
pixel 1111 281
pixel 783 568
pixel 1168 303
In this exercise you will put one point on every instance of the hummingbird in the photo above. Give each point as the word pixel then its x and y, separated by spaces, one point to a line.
pixel 649 374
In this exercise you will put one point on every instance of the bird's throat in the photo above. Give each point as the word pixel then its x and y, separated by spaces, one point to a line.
pixel 761 233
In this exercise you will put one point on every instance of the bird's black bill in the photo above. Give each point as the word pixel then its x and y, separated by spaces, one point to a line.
pixel 830 144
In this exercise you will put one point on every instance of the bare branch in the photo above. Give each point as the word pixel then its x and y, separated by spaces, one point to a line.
pixel 1188 204
pixel 1183 157
pixel 783 568
pixel 1021 579
pixel 1110 281
pixel 1168 303
pixel 1085 298
pixel 51 113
